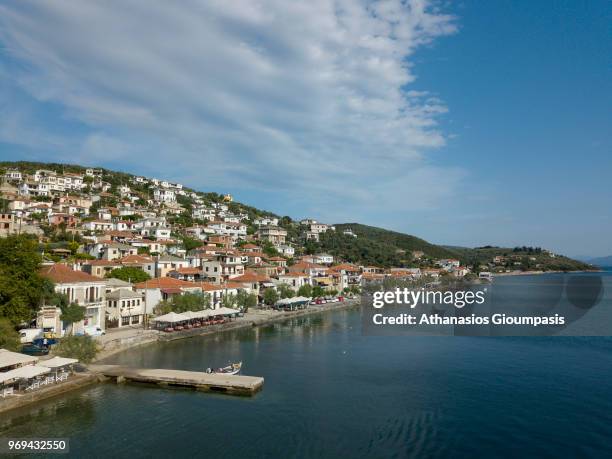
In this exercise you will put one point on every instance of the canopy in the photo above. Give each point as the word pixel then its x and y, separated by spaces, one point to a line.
pixel 224 311
pixel 295 300
pixel 171 317
pixel 8 358
pixel 302 299
pixel 57 362
pixel 26 372
pixel 199 314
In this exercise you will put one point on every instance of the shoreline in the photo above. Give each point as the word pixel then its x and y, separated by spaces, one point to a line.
pixel 537 273
pixel 145 337
pixel 250 320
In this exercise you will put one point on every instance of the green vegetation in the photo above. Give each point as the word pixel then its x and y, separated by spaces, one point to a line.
pixel 517 258
pixel 245 300
pixel 270 296
pixel 284 291
pixel 22 290
pixel 373 246
pixel 190 243
pixel 184 303
pixel 9 338
pixel 318 291
pixel 83 348
pixel 305 290
pixel 71 312
pixel 129 274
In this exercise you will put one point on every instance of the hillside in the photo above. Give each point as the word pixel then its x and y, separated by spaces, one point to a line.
pixel 371 246
pixel 378 246
pixel 601 261
pixel 521 258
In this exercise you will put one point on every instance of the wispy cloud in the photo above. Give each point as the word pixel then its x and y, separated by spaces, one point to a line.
pixel 311 99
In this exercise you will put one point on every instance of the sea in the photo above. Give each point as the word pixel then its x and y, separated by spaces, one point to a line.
pixel 331 392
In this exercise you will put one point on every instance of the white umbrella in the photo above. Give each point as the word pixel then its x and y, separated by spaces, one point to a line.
pixel 171 317
pixel 199 314
pixel 225 311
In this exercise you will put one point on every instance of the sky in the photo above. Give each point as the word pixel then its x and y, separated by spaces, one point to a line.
pixel 466 124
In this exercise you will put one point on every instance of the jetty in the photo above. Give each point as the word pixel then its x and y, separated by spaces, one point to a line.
pixel 207 382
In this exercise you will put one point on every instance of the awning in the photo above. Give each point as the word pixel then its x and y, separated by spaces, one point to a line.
pixel 199 314
pixel 57 362
pixel 26 372
pixel 171 317
pixel 224 311
pixel 8 358
pixel 294 300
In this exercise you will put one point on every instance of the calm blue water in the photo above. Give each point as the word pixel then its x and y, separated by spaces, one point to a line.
pixel 331 392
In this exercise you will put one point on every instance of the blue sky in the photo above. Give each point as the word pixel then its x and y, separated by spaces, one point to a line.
pixel 466 124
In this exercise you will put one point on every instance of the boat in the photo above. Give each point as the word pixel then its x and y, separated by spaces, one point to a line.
pixel 231 369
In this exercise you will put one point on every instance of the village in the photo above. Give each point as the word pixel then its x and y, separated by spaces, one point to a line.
pixel 136 232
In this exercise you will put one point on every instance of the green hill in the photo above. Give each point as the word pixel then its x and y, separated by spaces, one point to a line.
pixel 372 246
pixel 399 243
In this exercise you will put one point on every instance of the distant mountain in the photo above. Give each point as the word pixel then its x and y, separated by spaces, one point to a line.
pixel 601 261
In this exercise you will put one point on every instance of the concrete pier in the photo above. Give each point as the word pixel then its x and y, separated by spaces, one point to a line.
pixel 228 384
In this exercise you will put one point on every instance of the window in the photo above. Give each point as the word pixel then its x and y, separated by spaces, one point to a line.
pixel 125 320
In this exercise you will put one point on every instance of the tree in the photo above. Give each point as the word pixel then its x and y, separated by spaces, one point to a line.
pixel 83 348
pixel 184 303
pixel 305 290
pixel 318 291
pixel 229 301
pixel 270 250
pixel 270 296
pixel 285 291
pixel 71 314
pixel 245 300
pixel 9 338
pixel 129 274
pixel 190 243
pixel 22 289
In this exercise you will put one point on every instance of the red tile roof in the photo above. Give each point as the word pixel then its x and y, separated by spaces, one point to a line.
pixel 164 282
pixel 62 274
pixel 135 259
pixel 250 276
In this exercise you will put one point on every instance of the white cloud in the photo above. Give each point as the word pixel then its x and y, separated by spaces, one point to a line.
pixel 307 98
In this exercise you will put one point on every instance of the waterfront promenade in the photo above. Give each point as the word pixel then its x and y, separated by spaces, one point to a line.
pixel 207 382
pixel 119 340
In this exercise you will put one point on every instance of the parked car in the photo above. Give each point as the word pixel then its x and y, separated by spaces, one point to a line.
pixel 28 335
pixel 94 331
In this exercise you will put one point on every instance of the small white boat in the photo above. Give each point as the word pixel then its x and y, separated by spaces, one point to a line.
pixel 231 369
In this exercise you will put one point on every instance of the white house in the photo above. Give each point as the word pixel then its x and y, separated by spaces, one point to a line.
pixel 81 288
pixel 125 306
pixel 323 259
pixel 266 221
pixel 164 195
pixel 286 250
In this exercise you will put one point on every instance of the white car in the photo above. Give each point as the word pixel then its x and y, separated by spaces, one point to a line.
pixel 27 335
pixel 94 331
